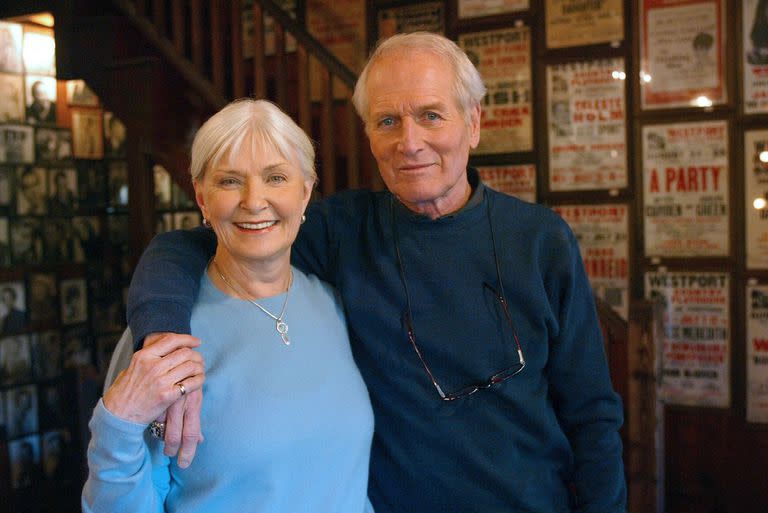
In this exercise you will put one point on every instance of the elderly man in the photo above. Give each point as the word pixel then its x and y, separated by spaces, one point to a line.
pixel 469 312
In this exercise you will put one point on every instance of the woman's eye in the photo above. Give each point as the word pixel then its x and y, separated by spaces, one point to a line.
pixel 277 178
pixel 227 181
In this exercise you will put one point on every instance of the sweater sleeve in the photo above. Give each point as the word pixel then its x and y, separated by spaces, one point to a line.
pixel 166 280
pixel 124 474
pixel 589 411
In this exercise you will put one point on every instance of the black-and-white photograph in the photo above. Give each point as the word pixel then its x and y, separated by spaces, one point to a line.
pixel 74 304
pixel 15 360
pixel 10 47
pixel 41 100
pixel 13 312
pixel 26 240
pixel 186 220
pixel 7 175
pixel 24 455
pixel 118 184
pixel 180 197
pixel 114 136
pixel 87 243
pixel 92 183
pixel 22 410
pixel 87 139
pixel 78 93
pixel 31 197
pixel 53 144
pixel 162 187
pixel 118 230
pixel 11 98
pixel 5 250
pixel 57 240
pixel 57 456
pixel 62 191
pixel 77 347
pixel 42 297
pixel 46 354
pixel 39 51
pixel 17 144
pixel 164 222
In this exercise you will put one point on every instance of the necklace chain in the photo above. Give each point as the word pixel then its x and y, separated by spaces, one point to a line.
pixel 280 325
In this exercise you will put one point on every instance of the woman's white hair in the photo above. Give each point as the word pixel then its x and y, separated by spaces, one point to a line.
pixel 245 122
pixel 468 87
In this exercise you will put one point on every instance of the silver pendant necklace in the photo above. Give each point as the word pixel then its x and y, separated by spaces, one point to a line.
pixel 280 325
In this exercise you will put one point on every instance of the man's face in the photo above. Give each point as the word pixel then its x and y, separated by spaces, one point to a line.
pixel 30 187
pixel 418 134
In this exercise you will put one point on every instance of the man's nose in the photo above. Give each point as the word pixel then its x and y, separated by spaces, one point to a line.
pixel 411 136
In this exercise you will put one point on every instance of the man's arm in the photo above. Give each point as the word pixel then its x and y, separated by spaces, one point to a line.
pixel 166 281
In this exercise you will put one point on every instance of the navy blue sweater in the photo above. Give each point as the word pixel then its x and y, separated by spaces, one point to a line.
pixel 544 441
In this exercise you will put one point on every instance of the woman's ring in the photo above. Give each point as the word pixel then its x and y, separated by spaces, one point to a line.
pixel 157 429
pixel 181 388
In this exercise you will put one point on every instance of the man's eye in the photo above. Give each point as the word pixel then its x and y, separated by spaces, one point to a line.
pixel 431 116
pixel 387 122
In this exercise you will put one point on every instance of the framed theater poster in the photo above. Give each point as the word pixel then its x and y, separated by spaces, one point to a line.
pixel 686 189
pixel 756 197
pixel 578 23
pixel 682 53
pixel 757 353
pixel 480 8
pixel 503 58
pixel 516 180
pixel 586 120
pixel 696 354
pixel 429 17
pixel 755 56
pixel 603 235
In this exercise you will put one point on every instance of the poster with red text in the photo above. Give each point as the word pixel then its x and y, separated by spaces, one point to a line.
pixel 603 235
pixel 757 353
pixel 429 17
pixel 755 56
pixel 503 58
pixel 696 350
pixel 479 8
pixel 577 23
pixel 515 180
pixel 685 189
pixel 682 53
pixel 586 120
pixel 756 197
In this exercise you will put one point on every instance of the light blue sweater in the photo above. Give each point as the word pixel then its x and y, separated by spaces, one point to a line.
pixel 287 428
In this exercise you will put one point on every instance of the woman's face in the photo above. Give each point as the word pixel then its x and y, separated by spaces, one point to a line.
pixel 254 201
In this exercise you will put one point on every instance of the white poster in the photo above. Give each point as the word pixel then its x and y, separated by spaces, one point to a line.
pixel 586 116
pixel 428 17
pixel 755 56
pixel 696 354
pixel 603 235
pixel 756 198
pixel 686 189
pixel 757 353
pixel 479 8
pixel 515 180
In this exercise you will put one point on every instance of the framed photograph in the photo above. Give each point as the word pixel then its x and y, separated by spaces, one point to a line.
pixel 17 145
pixel 755 56
pixel 41 100
pixel 87 244
pixel 428 17
pixel 114 136
pixel 686 210
pixel 42 297
pixel 482 8
pixel 74 301
pixel 756 197
pixel 696 355
pixel 186 220
pixel 92 184
pixel 579 23
pixel 7 174
pixel 46 354
pixel 181 199
pixel 15 359
pixel 682 53
pixel 26 240
pixel 515 180
pixel 31 197
pixel 118 230
pixel 163 223
pixel 39 51
pixel 53 145
pixel 22 410
pixel 87 141
pixel 757 353
pixel 5 246
pixel 11 35
pixel 503 57
pixel 78 93
pixel 13 309
pixel 11 98
pixel 58 465
pixel 602 231
pixel 586 120
pixel 162 187
pixel 118 184
pixel 24 456
pixel 77 347
pixel 62 191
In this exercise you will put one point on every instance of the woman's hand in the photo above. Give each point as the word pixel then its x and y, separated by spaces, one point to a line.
pixel 150 384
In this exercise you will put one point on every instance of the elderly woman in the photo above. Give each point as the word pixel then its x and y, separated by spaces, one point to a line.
pixel 287 415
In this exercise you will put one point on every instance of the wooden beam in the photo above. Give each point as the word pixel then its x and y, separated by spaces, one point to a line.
pixel 179 28
pixel 327 150
pixel 304 101
pixel 281 76
pixel 217 46
pixel 196 23
pixel 259 61
pixel 238 75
